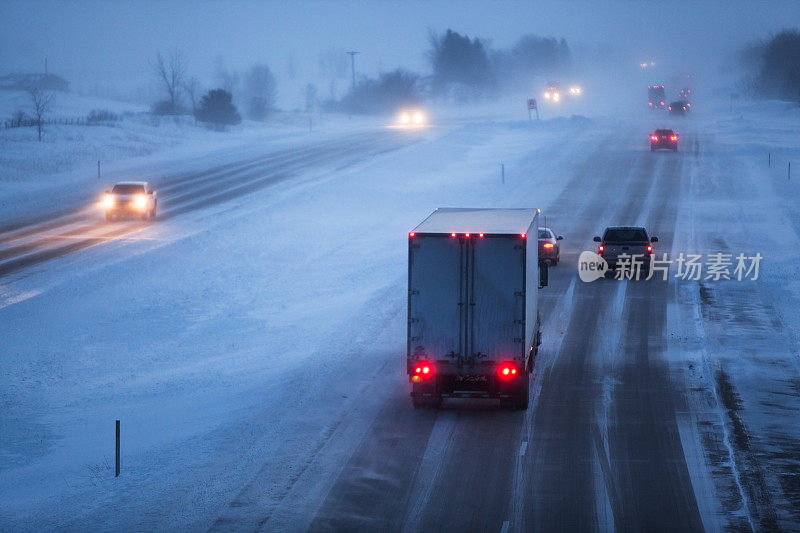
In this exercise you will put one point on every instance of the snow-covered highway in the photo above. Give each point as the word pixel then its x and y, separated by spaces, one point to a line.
pixel 252 342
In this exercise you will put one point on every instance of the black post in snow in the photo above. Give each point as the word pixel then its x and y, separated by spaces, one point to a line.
pixel 117 462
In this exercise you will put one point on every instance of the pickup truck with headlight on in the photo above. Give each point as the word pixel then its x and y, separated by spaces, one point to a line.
pixel 131 198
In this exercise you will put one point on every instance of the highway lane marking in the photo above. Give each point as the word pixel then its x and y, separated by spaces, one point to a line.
pixel 523 447
pixel 504 528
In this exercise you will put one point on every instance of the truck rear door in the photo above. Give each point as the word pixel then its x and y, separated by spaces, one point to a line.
pixel 435 296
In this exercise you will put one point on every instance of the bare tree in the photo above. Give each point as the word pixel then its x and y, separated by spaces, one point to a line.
pixel 261 91
pixel 170 73
pixel 42 101
pixel 192 88
pixel 227 79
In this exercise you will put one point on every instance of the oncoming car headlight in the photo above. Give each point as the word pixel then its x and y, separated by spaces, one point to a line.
pixel 405 118
pixel 140 201
pixel 108 201
pixel 419 118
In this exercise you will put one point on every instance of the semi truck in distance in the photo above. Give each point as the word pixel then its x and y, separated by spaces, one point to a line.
pixel 656 96
pixel 473 318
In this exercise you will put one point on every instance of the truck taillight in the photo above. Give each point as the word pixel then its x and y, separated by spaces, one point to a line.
pixel 480 235
pixel 424 370
pixel 522 235
pixel 507 371
pixel 452 234
pixel 411 234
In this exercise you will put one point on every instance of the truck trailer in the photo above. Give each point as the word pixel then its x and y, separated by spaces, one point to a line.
pixel 473 318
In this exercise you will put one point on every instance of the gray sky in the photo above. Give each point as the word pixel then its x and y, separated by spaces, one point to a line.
pixel 111 42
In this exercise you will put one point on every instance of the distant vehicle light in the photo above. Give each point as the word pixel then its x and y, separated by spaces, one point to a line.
pixel 523 235
pixel 411 234
pixel 419 118
pixel 405 118
pixel 662 103
pixel 466 235
pixel 452 234
pixel 480 235
pixel 547 95
pixel 548 245
pixel 555 97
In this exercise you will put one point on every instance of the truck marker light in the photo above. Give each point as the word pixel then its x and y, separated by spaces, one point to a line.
pixel 452 234
pixel 480 235
pixel 411 234
pixel 522 235
pixel 466 235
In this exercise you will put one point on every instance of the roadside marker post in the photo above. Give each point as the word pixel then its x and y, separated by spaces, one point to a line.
pixel 116 474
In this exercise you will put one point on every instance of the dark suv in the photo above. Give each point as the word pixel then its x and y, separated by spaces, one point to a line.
pixel 664 140
pixel 630 240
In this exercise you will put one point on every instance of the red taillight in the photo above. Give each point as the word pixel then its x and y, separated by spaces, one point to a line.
pixel 411 234
pixel 600 248
pixel 650 104
pixel 423 369
pixel 466 235
pixel 480 235
pixel 452 234
pixel 662 103
pixel 507 371
pixel 649 250
pixel 522 235
pixel 673 138
pixel 654 138
pixel 548 245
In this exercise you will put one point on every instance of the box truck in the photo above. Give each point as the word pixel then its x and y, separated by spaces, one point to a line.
pixel 473 320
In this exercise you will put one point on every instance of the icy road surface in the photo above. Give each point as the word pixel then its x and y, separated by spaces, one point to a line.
pixel 252 342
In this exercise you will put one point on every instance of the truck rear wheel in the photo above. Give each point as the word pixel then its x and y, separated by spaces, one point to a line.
pixel 521 400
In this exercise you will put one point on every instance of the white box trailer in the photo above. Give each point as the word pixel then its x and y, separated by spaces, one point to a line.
pixel 473 319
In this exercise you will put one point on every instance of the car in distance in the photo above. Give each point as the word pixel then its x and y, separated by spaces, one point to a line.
pixel 631 240
pixel 410 118
pixel 131 198
pixel 549 247
pixel 551 93
pixel 678 108
pixel 664 140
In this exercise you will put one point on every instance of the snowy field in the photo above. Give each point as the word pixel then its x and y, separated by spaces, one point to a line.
pixel 245 340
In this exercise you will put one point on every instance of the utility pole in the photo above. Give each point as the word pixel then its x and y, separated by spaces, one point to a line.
pixel 45 66
pixel 353 65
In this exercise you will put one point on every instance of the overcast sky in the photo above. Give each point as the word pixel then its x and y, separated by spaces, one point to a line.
pixel 112 41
